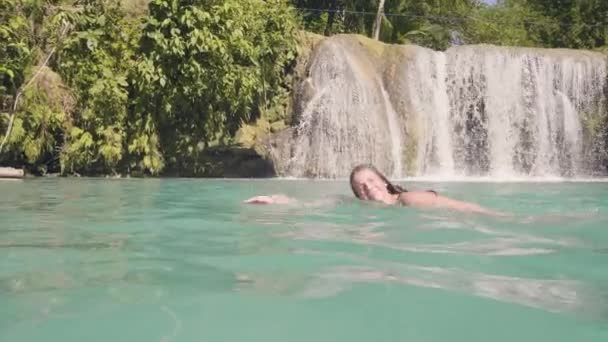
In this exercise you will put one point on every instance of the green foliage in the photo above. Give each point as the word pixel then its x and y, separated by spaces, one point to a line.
pixel 15 49
pixel 37 129
pixel 207 66
pixel 578 23
pixel 36 117
pixel 94 61
pixel 439 23
pixel 150 83
pixel 429 23
pixel 511 23
pixel 321 16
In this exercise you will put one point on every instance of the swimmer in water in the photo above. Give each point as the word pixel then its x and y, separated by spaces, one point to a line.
pixel 369 184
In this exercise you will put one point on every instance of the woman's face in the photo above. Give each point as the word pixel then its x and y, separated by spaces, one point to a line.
pixel 370 186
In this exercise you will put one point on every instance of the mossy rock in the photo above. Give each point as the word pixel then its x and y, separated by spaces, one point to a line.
pixel 248 135
pixel 277 126
pixel 306 43
pixel 376 48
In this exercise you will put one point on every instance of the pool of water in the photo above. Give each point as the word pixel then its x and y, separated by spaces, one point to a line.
pixel 186 260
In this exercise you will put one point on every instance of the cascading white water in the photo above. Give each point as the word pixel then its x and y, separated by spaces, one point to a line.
pixel 429 98
pixel 471 111
pixel 517 112
pixel 395 132
pixel 349 119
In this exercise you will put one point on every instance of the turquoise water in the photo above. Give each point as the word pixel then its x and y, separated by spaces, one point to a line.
pixel 185 260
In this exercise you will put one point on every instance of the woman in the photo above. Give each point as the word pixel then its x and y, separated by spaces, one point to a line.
pixel 369 184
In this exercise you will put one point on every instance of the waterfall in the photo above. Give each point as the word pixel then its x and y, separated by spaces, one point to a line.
pixel 349 118
pixel 469 111
pixel 518 112
pixel 429 98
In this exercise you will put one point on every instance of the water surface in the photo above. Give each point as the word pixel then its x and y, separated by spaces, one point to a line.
pixel 186 260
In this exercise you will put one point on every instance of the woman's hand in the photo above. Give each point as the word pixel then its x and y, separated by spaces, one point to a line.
pixel 272 199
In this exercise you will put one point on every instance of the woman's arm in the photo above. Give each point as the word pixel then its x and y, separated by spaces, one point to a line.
pixel 271 199
pixel 450 203
pixel 424 199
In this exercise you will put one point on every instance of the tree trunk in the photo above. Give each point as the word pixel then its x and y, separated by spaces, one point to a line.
pixel 331 17
pixel 378 22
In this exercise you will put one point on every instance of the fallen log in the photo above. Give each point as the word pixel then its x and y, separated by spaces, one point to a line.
pixel 9 172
